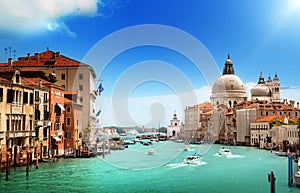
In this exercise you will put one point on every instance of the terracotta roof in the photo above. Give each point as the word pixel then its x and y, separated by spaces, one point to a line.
pixel 47 58
pixel 205 105
pixel 268 118
pixel 66 100
pixel 34 81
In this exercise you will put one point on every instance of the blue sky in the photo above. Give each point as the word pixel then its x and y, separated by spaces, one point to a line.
pixel 259 35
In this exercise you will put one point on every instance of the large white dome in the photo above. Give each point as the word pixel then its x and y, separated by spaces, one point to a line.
pixel 228 89
pixel 229 83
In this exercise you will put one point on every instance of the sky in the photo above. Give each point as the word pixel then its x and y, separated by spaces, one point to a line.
pixel 157 57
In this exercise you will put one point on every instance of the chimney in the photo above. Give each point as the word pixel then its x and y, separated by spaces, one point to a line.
pixel 40 84
pixel 36 56
pixel 57 54
pixel 28 56
pixel 284 101
pixel 297 105
pixel 292 103
pixel 9 63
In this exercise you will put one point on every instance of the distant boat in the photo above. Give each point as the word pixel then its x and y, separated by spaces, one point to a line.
pixel 151 151
pixel 282 153
pixel 192 159
pixel 224 151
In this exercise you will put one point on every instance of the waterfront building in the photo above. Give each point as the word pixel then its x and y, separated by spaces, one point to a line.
pixel 227 91
pixel 196 121
pixel 72 75
pixel 232 115
pixel 174 130
pixel 25 109
pixel 73 122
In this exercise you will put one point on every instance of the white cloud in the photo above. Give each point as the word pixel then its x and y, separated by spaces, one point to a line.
pixel 18 17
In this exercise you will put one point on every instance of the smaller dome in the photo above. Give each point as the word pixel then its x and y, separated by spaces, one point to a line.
pixel 261 90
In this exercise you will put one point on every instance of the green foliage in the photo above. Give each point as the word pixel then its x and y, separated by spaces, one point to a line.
pixel 162 130
pixel 278 122
pixel 87 131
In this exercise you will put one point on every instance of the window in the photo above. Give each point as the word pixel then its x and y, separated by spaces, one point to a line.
pixel 63 76
pixel 81 99
pixel 31 98
pixel 25 97
pixel 9 96
pixel 68 109
pixel 45 96
pixel 36 95
pixel 80 87
pixel 80 76
pixel 68 121
pixel 1 94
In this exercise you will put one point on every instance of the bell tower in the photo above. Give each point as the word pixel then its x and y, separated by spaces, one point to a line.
pixel 276 90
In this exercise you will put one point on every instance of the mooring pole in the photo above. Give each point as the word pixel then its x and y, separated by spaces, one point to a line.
pixel 27 165
pixel 271 179
pixel 290 170
pixel 7 165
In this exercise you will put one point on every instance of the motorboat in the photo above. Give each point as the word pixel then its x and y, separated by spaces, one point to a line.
pixel 192 159
pixel 224 151
pixel 297 175
pixel 282 153
pixel 151 151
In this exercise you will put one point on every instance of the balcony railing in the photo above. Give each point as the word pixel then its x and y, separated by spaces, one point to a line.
pixel 14 134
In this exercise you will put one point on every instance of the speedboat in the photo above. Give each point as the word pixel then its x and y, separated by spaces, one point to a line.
pixel 225 151
pixel 192 159
pixel 151 151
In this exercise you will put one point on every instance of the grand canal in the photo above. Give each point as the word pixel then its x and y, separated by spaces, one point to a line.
pixel 132 170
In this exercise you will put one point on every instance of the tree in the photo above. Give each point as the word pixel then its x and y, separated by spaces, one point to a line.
pixel 162 130
pixel 87 132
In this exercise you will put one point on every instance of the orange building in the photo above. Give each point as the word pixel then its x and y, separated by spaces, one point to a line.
pixel 73 123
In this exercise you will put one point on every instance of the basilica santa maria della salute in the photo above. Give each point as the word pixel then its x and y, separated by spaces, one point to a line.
pixel 233 118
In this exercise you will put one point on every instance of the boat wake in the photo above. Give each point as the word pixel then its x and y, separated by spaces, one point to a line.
pixel 231 156
pixel 179 165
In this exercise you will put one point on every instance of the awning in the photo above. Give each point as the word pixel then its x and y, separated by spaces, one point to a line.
pixel 61 106
pixel 56 138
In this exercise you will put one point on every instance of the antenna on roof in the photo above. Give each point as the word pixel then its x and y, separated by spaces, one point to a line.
pixel 14 55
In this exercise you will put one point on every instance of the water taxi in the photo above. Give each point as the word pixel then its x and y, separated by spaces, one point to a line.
pixel 224 151
pixel 192 159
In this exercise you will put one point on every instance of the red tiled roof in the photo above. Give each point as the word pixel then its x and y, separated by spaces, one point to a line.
pixel 66 100
pixel 205 105
pixel 47 58
pixel 268 118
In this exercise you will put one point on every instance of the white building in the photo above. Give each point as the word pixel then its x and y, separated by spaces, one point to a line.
pixel 175 128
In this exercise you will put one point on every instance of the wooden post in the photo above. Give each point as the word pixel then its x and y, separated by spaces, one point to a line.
pixel 271 179
pixel 290 170
pixel 7 165
pixel 27 164
pixel 15 155
pixel 37 161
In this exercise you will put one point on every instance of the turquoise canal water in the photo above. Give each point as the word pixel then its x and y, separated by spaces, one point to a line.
pixel 132 170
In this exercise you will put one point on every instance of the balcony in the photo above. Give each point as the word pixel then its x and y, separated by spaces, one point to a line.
pixel 15 134
pixel 38 123
pixel 59 133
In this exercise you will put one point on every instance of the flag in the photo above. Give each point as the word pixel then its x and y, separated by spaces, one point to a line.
pixel 98 113
pixel 100 88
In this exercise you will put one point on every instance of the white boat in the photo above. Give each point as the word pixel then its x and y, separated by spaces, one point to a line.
pixel 282 153
pixel 192 159
pixel 297 175
pixel 151 151
pixel 224 151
